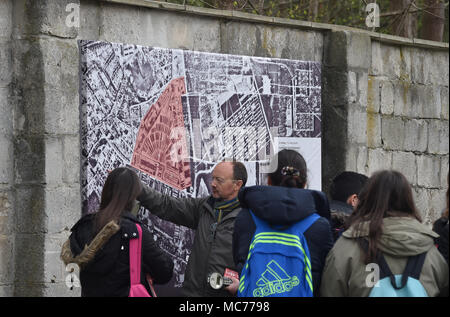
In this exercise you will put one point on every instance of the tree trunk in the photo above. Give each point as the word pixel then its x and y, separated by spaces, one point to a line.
pixel 433 20
pixel 313 10
pixel 404 24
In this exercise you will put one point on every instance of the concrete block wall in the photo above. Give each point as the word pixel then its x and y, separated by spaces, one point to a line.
pixel 373 114
pixel 7 200
pixel 408 106
pixel 386 107
pixel 344 104
pixel 39 102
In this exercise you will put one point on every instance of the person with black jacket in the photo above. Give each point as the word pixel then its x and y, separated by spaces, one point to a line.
pixel 99 242
pixel 344 192
pixel 441 226
pixel 284 203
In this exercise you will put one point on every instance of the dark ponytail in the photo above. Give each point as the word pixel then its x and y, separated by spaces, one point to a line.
pixel 291 170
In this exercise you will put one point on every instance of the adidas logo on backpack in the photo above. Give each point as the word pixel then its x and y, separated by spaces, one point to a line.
pixel 278 262
pixel 274 280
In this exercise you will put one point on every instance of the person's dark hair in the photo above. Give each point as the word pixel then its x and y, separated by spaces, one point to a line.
pixel 119 193
pixel 291 170
pixel 239 172
pixel 386 193
pixel 346 184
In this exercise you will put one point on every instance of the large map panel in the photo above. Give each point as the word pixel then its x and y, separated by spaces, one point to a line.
pixel 173 114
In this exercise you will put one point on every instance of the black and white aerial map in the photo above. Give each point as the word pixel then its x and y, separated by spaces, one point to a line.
pixel 172 114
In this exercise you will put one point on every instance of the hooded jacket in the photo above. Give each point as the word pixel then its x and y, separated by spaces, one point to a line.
pixel 345 272
pixel 104 258
pixel 281 206
pixel 211 249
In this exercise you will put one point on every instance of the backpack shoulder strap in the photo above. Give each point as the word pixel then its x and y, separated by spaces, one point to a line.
pixel 413 267
pixel 259 223
pixel 381 261
pixel 135 257
pixel 305 223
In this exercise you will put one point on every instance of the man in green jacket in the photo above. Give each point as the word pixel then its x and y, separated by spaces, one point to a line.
pixel 212 218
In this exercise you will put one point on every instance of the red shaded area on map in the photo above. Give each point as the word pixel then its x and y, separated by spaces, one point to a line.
pixel 157 147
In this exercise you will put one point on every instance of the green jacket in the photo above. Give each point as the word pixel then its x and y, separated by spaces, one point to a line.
pixel 210 252
pixel 345 273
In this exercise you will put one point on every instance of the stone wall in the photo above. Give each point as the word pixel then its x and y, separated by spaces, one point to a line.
pixel 407 120
pixel 39 174
pixel 385 105
pixel 6 154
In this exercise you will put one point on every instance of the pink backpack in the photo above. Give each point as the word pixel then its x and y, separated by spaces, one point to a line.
pixel 136 288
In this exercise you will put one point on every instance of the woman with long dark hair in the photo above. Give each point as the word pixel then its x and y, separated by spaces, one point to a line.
pixel 99 242
pixel 385 222
pixel 284 203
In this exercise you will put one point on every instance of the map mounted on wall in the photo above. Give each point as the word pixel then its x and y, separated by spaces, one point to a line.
pixel 172 114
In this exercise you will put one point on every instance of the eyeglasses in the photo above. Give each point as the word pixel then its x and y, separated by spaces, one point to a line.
pixel 220 180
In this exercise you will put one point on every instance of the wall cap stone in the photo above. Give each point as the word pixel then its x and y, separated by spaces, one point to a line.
pixel 255 18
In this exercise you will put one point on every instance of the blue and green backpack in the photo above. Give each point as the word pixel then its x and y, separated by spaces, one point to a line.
pixel 278 262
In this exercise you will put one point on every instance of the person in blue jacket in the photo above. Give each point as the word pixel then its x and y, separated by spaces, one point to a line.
pixel 283 203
